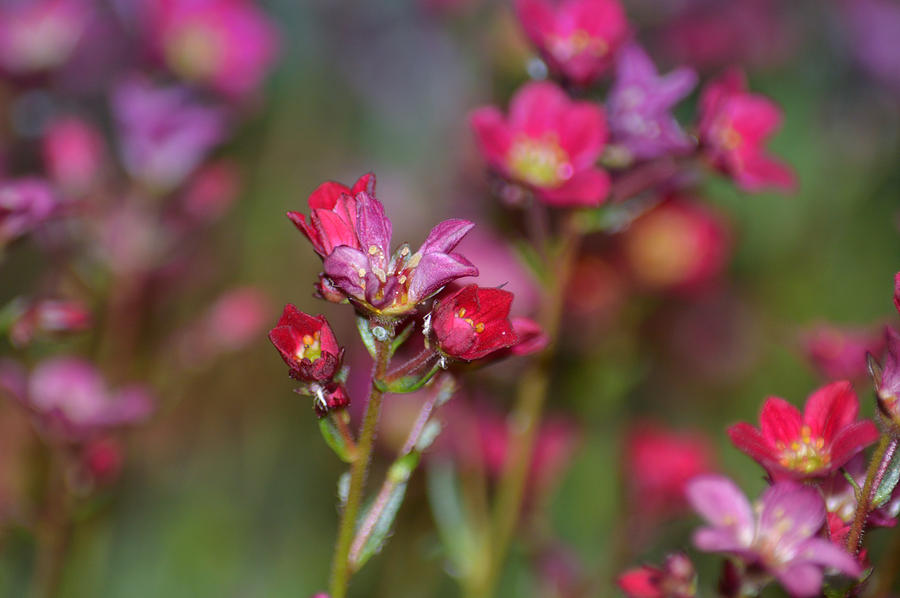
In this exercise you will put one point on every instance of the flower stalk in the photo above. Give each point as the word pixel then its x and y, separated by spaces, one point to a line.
pixel 881 458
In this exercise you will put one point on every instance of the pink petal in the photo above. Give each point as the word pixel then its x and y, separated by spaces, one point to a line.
pixel 492 135
pixel 780 421
pixel 830 409
pixel 587 188
pixel 536 108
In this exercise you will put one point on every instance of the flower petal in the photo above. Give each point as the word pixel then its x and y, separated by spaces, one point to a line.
pixel 492 135
pixel 827 554
pixel 750 441
pixel 780 421
pixel 801 581
pixel 436 270
pixel 851 440
pixel 718 500
pixel 830 409
pixel 446 235
pixel 791 513
pixel 587 188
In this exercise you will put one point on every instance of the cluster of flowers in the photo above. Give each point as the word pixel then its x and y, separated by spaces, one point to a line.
pixel 108 170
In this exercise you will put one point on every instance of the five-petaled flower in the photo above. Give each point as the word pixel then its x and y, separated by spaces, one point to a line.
pixel 810 444
pixel 577 38
pixel 307 345
pixel 473 322
pixel 734 126
pixel 548 143
pixel 640 102
pixel 778 534
pixel 332 215
pixel 394 285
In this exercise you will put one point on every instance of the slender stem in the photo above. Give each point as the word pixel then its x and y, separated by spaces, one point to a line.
pixel 341 421
pixel 53 532
pixel 877 467
pixel 390 482
pixel 526 416
pixel 340 566
pixel 419 362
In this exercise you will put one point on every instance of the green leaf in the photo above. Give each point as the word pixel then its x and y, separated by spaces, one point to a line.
pixel 407 384
pixel 382 528
pixel 457 536
pixel 365 333
pixel 401 338
pixel 429 434
pixel 889 481
pixel 334 439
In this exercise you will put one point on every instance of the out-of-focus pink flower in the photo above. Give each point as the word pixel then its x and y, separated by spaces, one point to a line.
pixel 640 102
pixel 887 376
pixel 839 353
pixel 473 322
pixel 531 337
pixel 332 215
pixel 164 132
pixel 596 289
pixel 680 244
pixel 658 464
pixel 779 534
pixel 548 143
pixel 38 35
pixel 212 191
pixel 811 444
pixel 393 285
pixel 102 460
pixel 24 205
pixel 307 345
pixel 873 28
pixel 734 127
pixel 130 238
pixel 48 316
pixel 74 152
pixel 675 579
pixel 70 399
pixel 228 45
pixel 233 321
pixel 577 38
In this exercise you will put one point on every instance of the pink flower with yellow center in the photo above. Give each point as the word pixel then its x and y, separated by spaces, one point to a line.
pixel 547 142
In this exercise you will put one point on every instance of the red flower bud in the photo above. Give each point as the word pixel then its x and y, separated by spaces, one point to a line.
pixel 307 345
pixel 473 322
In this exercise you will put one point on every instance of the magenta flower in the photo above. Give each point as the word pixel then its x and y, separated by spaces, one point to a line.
pixel 394 285
pixel 839 353
pixel 810 444
pixel 24 205
pixel 577 38
pixel 307 345
pixel 332 215
pixel 70 399
pixel 675 579
pixel 873 27
pixel 164 132
pixel 74 154
pixel 734 126
pixel 778 534
pixel 228 45
pixel 640 102
pixel 39 35
pixel 473 322
pixel 548 143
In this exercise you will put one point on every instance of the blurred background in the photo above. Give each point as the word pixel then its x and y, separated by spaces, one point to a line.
pixel 228 489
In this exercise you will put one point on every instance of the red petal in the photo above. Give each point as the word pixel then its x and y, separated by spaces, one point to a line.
pixel 537 107
pixel 780 421
pixel 750 441
pixel 830 409
pixel 326 195
pixel 851 440
pixel 492 134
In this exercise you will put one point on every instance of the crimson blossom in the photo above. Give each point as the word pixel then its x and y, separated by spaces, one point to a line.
pixel 734 126
pixel 777 534
pixel 307 345
pixel 473 322
pixel 577 38
pixel 548 143
pixel 810 444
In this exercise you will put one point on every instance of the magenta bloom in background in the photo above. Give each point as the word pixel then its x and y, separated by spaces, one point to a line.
pixel 70 399
pixel 24 205
pixel 675 579
pixel 37 35
pixel 228 45
pixel 548 143
pixel 48 316
pixel 734 127
pixel 74 152
pixel 779 534
pixel 810 444
pixel 164 132
pixel 640 102
pixel 577 38
pixel 873 29
pixel 839 353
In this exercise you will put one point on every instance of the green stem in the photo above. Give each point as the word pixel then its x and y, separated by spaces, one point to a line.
pixel 864 503
pixel 340 566
pixel 526 416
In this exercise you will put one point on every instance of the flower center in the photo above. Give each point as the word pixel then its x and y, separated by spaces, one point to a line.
pixel 540 162
pixel 806 454
pixel 310 348
pixel 477 327
pixel 565 47
pixel 194 51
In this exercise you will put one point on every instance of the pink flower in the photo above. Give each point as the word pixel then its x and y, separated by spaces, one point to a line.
pixel 548 143
pixel 212 191
pixel 887 376
pixel 839 353
pixel 473 322
pixel 778 534
pixel 307 345
pixel 675 579
pixel 734 126
pixel 814 443
pixel 228 45
pixel 577 38
pixel 71 401
pixel 658 464
pixel 680 244
pixel 74 152
pixel 37 35
pixel 24 205
pixel 48 316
